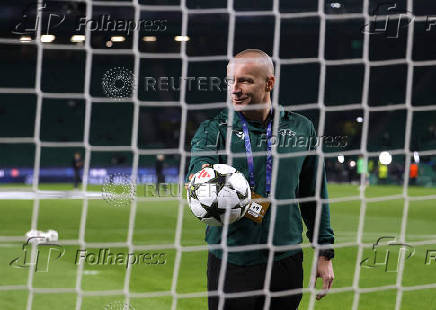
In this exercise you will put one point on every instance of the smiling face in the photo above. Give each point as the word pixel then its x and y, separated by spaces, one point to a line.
pixel 250 81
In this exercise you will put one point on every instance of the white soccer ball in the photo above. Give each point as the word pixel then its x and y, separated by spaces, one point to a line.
pixel 37 236
pixel 213 190
pixel 52 235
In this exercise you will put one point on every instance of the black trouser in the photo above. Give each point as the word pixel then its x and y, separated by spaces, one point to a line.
pixel 76 177
pixel 286 274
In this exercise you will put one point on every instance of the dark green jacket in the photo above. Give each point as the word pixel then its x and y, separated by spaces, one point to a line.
pixel 296 178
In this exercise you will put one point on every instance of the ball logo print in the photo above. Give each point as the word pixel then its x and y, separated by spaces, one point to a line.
pixel 204 174
pixel 239 134
pixel 118 190
pixel 118 83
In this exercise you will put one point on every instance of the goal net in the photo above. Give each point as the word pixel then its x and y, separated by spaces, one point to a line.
pixel 125 84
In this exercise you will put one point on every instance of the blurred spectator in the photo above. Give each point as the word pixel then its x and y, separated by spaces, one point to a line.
pixel 160 177
pixel 413 174
pixel 362 168
pixel 382 173
pixel 77 165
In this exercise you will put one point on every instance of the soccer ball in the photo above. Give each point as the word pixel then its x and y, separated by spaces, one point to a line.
pixel 215 189
pixel 37 236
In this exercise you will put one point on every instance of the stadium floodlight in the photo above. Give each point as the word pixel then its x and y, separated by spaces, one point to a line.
pixel 341 158
pixel 25 39
pixel 77 38
pixel 385 158
pixel 47 38
pixel 181 38
pixel 118 39
pixel 149 39
pixel 416 157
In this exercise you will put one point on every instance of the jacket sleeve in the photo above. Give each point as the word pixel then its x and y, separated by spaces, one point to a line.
pixel 206 139
pixel 307 188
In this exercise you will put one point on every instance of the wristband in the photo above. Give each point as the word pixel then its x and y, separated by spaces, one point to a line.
pixel 327 253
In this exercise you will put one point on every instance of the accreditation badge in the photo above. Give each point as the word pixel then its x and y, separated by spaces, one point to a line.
pixel 257 208
pixel 258 205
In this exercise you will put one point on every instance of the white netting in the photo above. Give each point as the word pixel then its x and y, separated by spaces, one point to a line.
pixel 183 154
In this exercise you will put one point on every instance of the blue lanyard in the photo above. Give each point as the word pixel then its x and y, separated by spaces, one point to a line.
pixel 249 153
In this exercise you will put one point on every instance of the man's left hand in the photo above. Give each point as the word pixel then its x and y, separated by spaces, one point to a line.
pixel 324 271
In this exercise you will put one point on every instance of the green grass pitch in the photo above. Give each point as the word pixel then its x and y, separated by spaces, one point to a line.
pixel 155 223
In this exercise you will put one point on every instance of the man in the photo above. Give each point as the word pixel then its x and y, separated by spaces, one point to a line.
pixel 77 165
pixel 251 78
pixel 413 173
pixel 160 176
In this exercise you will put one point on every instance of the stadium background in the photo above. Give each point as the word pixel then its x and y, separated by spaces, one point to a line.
pixel 62 130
